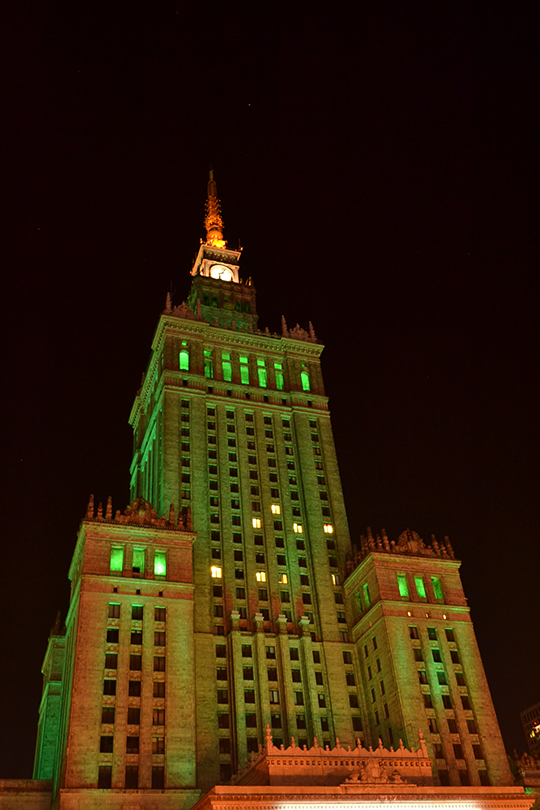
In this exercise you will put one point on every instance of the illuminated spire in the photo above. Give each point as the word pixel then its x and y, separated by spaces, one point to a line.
pixel 213 221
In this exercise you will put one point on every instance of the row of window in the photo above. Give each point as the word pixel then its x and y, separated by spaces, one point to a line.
pixel 138 565
pixel 113 637
pixel 243 362
pixel 137 612
pixel 420 586
pixel 106 745
pixel 131 776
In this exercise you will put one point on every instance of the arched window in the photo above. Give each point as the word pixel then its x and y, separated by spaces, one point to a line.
pixel 304 376
pixel 184 359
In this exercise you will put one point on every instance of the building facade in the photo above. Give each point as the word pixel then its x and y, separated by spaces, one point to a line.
pixel 225 615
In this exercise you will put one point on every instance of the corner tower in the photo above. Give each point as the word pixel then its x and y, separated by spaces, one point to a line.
pixel 232 423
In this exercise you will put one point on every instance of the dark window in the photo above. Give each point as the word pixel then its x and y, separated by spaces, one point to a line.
pixel 109 687
pixel 159 663
pixel 112 636
pixel 158 777
pixel 350 679
pixel 428 702
pixel 293 653
pixel 447 703
pixel 298 698
pixel 159 689
pixel 136 637
pixel 134 689
pixel 437 656
pixel 441 677
pixel 356 722
pixel 222 696
pixel 104 776
pixel 272 674
pixel 134 716
pixel 135 663
pixel 158 717
pixel 452 726
pixel 251 720
pixel 466 703
pixel 471 727
pixel 270 652
pixel 413 632
pixel 432 634
pixel 223 720
pixel 132 745
pixel 106 744
pixel 246 651
pixel 296 676
pixel 353 701
pixel 137 612
pixel 160 614
pixel 347 657
pixel 449 634
pixel 224 745
pixel 107 715
pixel 159 638
pixel 454 656
pixel 418 654
pixel 220 651
pixel 316 657
pixel 111 660
pixel 249 696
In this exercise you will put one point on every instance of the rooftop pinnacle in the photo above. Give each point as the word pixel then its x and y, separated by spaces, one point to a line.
pixel 213 221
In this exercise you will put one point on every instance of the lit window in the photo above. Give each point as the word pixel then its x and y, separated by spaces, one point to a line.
pixel 244 371
pixel 304 377
pixel 420 587
pixel 261 371
pixel 437 588
pixel 297 527
pixel 280 383
pixel 117 558
pixel 226 365
pixel 138 560
pixel 367 598
pixel 184 358
pixel 335 579
pixel 260 576
pixel 216 572
pixel 328 528
pixel 256 523
pixel 276 509
pixel 283 578
pixel 403 586
pixel 208 364
pixel 160 563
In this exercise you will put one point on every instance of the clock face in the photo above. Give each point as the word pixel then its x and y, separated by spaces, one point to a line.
pixel 221 272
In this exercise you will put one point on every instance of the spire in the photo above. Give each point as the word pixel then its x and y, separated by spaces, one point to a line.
pixel 213 221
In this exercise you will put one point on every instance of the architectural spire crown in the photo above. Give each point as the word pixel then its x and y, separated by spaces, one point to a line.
pixel 213 221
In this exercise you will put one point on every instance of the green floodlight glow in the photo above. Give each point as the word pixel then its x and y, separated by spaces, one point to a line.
pixel 138 559
pixel 117 558
pixel 244 371
pixel 184 360
pixel 280 382
pixel 420 587
pixel 160 563
pixel 208 364
pixel 437 588
pixel 261 368
pixel 352 805
pixel 403 585
pixel 367 598
pixel 304 376
pixel 226 366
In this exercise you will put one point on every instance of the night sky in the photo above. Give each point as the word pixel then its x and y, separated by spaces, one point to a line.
pixel 376 160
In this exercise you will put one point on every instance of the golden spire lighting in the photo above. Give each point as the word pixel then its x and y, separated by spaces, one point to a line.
pixel 213 221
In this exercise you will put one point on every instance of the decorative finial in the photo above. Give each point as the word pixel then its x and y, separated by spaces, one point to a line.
pixel 312 334
pixel 284 330
pixel 213 221
pixel 108 513
pixel 168 303
pixel 171 514
pixel 90 508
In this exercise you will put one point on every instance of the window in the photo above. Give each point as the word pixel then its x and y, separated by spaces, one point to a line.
pixel 109 687
pixel 138 560
pixel 447 703
pixel 452 725
pixel 226 366
pixel 222 695
pixel 159 638
pixel 261 371
pixel 466 703
pixel 208 364
pixel 471 727
pixel 458 751
pixel 420 587
pixel 105 776
pixel 132 745
pixel 281 559
pixel 304 378
pixel 244 374
pixel 136 637
pixel 347 657
pixel 106 744
pixel 160 614
pixel 159 689
pixel 158 745
pixel 306 598
pixel 158 717
pixel 422 676
pixel 432 633
pixel 454 656
pixel 256 523
pixel 220 651
pixel 449 634
pixel 477 751
pixel 246 651
pixel 437 588
pixel 251 720
pixel 216 572
pixel 298 698
pixel 367 598
pixel 413 632
pixel 271 652
pixel 114 611
pixel 297 528
pixel 437 656
pixel 183 359
pixel 328 528
pixel 135 663
pixel 428 703
pixel 112 636
pixel 260 576
pixel 418 654
pixel 283 579
pixel 159 663
pixel 160 563
pixel 403 586
pixel 117 558
pixel 158 777
pixel 441 678
pixel 276 509
pixel 432 725
pixel 249 696
pixel 134 716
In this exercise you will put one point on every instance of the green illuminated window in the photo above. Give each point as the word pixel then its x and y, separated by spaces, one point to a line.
pixel 208 364
pixel 226 366
pixel 244 371
pixel 437 588
pixel 117 558
pixel 138 560
pixel 280 382
pixel 420 587
pixel 304 377
pixel 184 358
pixel 403 586
pixel 367 598
pixel 160 563
pixel 261 370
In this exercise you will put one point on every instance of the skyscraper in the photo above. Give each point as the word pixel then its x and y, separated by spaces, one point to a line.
pixel 227 604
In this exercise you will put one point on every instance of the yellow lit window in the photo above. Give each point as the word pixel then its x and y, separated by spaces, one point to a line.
pixel 328 528
pixel 261 576
pixel 256 523
pixel 335 579
pixel 297 527
pixel 216 572
pixel 283 579
pixel 276 509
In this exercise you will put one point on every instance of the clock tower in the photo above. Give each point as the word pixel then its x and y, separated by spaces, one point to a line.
pixel 223 297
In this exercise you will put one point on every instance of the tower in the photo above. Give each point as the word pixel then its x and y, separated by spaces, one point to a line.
pixel 225 609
